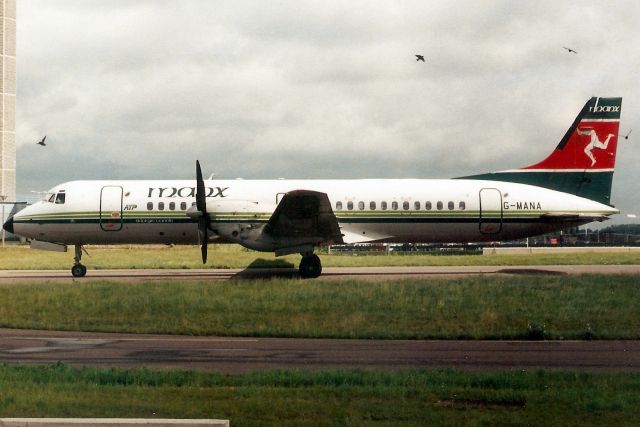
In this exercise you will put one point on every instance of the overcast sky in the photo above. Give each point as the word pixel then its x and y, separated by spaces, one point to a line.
pixel 326 89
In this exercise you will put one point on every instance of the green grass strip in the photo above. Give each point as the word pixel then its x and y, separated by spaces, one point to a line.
pixel 234 256
pixel 486 307
pixel 351 397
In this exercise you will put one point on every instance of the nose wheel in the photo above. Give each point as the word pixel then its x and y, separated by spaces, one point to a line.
pixel 78 270
pixel 310 266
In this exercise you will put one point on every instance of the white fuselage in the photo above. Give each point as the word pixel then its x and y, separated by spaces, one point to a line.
pixel 367 210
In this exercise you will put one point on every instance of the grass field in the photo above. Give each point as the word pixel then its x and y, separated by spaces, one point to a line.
pixel 505 307
pixel 233 256
pixel 523 307
pixel 422 397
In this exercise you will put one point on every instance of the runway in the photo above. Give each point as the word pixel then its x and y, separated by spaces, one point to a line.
pixel 329 273
pixel 234 355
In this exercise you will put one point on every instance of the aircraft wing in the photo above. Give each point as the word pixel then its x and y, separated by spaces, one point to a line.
pixel 305 216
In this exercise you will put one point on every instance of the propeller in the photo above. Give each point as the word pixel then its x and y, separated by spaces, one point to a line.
pixel 203 218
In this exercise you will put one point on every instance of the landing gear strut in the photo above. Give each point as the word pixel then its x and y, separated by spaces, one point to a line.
pixel 78 270
pixel 310 266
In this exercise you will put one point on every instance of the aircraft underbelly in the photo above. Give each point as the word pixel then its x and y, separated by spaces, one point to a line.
pixel 448 232
pixel 130 233
pixel 186 233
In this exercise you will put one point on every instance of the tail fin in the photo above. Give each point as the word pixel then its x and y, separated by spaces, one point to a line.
pixel 584 160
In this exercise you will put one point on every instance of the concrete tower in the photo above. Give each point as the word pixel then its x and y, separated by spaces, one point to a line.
pixel 8 100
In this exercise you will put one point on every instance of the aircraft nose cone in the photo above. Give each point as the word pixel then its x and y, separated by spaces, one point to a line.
pixel 9 225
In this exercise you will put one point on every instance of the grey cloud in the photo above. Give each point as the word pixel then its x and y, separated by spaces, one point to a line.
pixel 315 89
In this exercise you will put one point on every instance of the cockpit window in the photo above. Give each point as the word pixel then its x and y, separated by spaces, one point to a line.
pixel 57 198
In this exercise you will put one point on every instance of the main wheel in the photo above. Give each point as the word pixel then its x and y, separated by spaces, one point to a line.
pixel 310 266
pixel 78 270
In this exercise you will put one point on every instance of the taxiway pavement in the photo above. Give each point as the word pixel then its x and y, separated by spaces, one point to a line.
pixel 234 355
pixel 369 273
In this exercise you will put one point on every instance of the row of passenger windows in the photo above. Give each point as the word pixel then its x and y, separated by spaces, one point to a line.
pixel 169 206
pixel 339 206
pixel 405 206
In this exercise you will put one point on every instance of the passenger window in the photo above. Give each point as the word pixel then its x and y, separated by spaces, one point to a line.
pixel 383 206
pixel 451 205
pixel 149 206
pixel 338 206
pixel 462 206
pixel 394 206
pixel 350 206
pixel 172 206
pixel 439 206
pixel 361 206
pixel 160 206
pixel 183 206
pixel 405 206
pixel 372 206
pixel 416 206
pixel 60 198
pixel 427 205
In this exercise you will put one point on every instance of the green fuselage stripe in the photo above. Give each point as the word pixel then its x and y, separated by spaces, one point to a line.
pixel 365 217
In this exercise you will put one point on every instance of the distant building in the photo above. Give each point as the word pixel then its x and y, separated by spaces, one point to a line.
pixel 8 101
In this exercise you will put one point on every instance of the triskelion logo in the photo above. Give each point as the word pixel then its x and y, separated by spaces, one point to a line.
pixel 594 142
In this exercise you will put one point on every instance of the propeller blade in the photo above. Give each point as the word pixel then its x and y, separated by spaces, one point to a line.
pixel 203 219
pixel 203 247
pixel 201 230
pixel 204 253
pixel 201 198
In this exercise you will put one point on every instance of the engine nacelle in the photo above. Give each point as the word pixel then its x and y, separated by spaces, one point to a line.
pixel 241 221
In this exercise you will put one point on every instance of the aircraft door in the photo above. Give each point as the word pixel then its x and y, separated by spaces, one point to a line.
pixel 111 208
pixel 490 211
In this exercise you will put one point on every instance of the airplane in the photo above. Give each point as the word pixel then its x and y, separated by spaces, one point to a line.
pixel 566 189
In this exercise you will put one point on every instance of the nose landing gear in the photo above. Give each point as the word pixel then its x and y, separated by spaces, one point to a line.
pixel 78 270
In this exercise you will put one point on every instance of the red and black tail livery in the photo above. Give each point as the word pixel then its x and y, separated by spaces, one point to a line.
pixel 584 160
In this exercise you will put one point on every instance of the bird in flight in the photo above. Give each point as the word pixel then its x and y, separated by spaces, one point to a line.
pixel 627 135
pixel 419 58
pixel 42 141
pixel 570 50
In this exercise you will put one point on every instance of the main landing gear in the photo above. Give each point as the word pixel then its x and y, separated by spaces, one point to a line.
pixel 310 266
pixel 78 270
